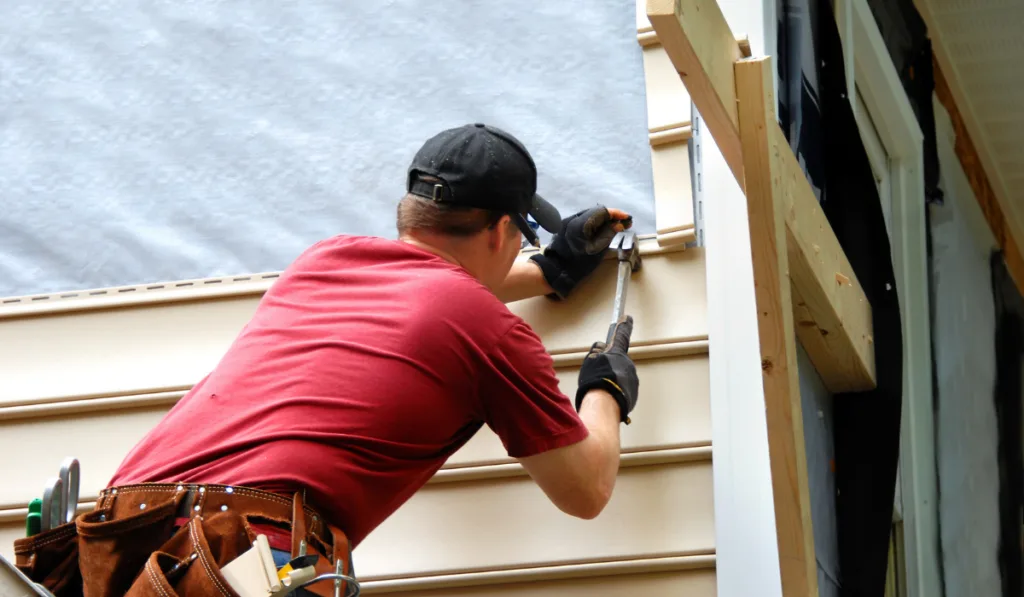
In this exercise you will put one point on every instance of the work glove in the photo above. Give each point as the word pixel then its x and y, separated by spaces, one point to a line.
pixel 577 248
pixel 610 368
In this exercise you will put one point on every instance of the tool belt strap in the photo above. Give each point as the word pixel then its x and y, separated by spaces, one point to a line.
pixel 206 498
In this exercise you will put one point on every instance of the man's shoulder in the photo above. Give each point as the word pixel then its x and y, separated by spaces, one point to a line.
pixel 425 278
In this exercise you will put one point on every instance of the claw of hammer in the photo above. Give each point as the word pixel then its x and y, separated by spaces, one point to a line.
pixel 628 253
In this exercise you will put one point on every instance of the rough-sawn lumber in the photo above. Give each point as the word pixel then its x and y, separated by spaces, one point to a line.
pixel 767 186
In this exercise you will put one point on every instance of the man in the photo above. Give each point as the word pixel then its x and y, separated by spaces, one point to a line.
pixel 366 365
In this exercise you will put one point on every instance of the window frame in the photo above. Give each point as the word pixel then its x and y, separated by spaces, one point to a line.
pixel 870 70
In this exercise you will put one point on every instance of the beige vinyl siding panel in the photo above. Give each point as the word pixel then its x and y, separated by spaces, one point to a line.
pixel 673 206
pixel 88 376
pixel 508 523
pixel 99 439
pixel 585 582
pixel 693 576
pixel 673 412
pixel 668 101
pixel 669 130
pixel 89 382
pixel 146 347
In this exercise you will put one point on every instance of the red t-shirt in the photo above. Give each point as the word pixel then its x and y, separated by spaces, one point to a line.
pixel 365 366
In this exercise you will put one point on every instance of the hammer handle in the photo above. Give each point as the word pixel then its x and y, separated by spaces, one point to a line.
pixel 619 307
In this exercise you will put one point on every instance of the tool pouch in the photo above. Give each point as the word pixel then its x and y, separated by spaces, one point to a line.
pixel 190 563
pixel 113 551
pixel 51 560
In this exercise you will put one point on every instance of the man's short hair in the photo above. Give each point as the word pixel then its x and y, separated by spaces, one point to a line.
pixel 417 213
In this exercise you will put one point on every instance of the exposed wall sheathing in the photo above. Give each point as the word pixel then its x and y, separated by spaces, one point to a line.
pixel 964 340
pixel 167 140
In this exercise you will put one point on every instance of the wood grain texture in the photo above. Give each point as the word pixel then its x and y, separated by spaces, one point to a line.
pixel 984 192
pixel 833 316
pixel 765 202
pixel 702 49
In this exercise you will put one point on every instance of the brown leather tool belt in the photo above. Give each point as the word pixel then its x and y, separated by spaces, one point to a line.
pixel 172 539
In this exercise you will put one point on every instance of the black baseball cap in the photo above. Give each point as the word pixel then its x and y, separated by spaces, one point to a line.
pixel 482 166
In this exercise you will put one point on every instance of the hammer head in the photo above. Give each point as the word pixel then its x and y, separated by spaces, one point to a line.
pixel 627 248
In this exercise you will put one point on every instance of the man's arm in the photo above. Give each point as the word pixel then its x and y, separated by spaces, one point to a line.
pixel 525 280
pixel 574 252
pixel 579 479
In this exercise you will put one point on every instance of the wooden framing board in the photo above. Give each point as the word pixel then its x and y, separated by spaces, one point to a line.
pixel 832 314
pixel 767 185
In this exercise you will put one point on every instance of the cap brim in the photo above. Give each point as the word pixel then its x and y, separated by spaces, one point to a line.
pixel 545 214
pixel 527 230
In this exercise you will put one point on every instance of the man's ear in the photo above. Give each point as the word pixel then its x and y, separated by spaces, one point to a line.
pixel 501 233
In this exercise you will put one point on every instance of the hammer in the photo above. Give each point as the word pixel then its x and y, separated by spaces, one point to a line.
pixel 624 243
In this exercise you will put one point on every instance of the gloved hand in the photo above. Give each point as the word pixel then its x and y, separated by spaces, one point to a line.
pixel 577 249
pixel 610 368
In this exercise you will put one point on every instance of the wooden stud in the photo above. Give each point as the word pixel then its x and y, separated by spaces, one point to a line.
pixel 766 190
pixel 833 316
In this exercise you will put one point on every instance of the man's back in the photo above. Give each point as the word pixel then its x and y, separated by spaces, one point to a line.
pixel 366 365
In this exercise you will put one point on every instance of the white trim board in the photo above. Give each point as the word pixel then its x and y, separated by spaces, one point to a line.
pixel 746 543
pixel 874 74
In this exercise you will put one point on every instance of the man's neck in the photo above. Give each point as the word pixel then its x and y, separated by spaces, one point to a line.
pixel 447 256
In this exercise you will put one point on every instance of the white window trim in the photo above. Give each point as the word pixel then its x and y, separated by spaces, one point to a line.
pixel 871 69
